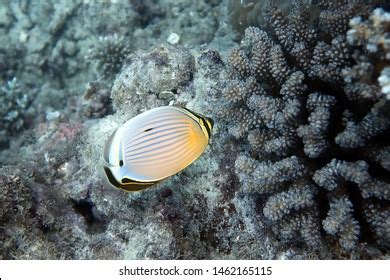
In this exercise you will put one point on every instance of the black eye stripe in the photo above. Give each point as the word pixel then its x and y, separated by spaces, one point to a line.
pixel 207 128
pixel 201 120
pixel 210 123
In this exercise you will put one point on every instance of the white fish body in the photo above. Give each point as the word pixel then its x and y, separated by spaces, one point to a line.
pixel 155 145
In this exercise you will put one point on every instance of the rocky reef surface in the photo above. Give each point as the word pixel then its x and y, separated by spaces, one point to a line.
pixel 298 165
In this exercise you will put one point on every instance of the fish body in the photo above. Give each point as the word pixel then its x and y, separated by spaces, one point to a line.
pixel 154 145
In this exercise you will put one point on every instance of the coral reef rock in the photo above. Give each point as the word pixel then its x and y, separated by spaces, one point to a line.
pixel 298 162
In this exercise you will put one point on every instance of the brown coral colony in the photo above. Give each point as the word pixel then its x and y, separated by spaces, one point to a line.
pixel 305 98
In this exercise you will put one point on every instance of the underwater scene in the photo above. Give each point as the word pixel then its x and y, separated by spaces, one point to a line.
pixel 207 129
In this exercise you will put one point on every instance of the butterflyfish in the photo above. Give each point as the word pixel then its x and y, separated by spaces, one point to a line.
pixel 155 145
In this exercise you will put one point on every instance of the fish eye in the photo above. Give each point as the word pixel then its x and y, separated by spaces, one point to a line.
pixel 121 163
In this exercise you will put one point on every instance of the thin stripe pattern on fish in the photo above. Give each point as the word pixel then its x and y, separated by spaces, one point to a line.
pixel 155 145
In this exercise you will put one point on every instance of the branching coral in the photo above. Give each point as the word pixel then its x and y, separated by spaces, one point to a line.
pixel 110 53
pixel 341 222
pixel 309 147
pixel 14 103
pixel 384 82
pixel 336 172
pixel 372 37
pixel 8 63
pixel 358 133
pixel 314 134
